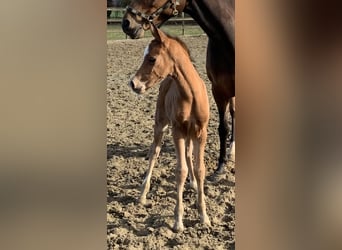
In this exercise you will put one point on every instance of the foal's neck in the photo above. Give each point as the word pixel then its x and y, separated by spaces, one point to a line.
pixel 185 73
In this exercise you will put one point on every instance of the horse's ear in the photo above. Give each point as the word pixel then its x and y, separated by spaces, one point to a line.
pixel 157 33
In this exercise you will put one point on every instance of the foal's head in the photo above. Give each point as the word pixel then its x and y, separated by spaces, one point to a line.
pixel 158 61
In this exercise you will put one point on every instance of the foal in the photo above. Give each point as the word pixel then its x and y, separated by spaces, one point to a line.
pixel 183 103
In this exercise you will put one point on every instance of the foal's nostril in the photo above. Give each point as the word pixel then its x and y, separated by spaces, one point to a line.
pixel 131 84
pixel 134 87
pixel 125 24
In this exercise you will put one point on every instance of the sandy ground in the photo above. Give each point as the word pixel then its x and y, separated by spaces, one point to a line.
pixel 130 121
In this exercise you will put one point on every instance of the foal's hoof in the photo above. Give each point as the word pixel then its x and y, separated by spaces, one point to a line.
pixel 193 185
pixel 178 227
pixel 142 201
pixel 205 220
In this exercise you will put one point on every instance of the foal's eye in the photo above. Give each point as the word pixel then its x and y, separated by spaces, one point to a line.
pixel 152 59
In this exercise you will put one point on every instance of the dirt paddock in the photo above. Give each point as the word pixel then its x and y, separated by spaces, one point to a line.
pixel 130 121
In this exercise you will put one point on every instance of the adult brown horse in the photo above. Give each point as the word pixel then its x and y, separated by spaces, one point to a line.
pixel 217 19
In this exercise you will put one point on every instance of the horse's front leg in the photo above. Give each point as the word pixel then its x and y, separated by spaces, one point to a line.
pixel 181 174
pixel 222 106
pixel 232 139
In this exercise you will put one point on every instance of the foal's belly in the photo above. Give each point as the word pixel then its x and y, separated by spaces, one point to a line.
pixel 178 111
pixel 182 116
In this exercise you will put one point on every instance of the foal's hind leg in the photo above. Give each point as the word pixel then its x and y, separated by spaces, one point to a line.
pixel 189 150
pixel 181 174
pixel 154 152
pixel 199 145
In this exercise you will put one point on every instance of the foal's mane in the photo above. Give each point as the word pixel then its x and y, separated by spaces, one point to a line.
pixel 182 43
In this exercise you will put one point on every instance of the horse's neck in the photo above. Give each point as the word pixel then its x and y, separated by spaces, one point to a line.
pixel 216 18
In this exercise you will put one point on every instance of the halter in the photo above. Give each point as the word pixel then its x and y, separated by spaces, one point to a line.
pixel 149 18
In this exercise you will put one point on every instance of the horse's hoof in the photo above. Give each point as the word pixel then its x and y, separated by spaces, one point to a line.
pixel 212 178
pixel 178 227
pixel 231 158
pixel 220 170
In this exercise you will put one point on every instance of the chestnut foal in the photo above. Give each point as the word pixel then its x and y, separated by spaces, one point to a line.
pixel 183 103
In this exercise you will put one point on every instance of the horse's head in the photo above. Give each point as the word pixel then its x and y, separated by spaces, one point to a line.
pixel 140 13
pixel 157 64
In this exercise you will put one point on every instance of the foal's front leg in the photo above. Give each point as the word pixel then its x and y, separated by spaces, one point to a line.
pixel 154 153
pixel 181 174
pixel 151 151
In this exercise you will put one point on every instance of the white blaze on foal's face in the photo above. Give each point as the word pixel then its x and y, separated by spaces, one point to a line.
pixel 146 51
pixel 136 83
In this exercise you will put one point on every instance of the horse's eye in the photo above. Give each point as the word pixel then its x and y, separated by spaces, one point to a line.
pixel 151 59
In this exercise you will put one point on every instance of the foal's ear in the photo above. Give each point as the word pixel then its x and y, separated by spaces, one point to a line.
pixel 157 33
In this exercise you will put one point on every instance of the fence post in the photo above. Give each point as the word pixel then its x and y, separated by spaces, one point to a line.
pixel 183 24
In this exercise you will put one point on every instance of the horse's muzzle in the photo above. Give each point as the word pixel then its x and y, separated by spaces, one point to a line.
pixel 125 24
pixel 134 32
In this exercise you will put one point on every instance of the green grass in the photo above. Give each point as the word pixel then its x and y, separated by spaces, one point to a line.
pixel 114 32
